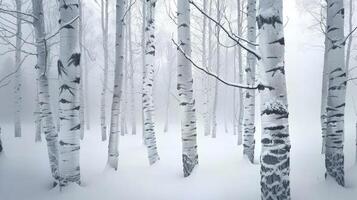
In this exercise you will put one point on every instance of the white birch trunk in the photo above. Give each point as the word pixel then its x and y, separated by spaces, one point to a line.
pixel 275 153
pixel 225 91
pixel 81 86
pixel 208 107
pixel 38 125
pixel 148 101
pixel 113 153
pixel 205 80
pixel 240 75
pixel 323 116
pixel 69 78
pixel 185 89
pixel 18 86
pixel 143 63
pixel 249 95
pixel 218 64
pixel 104 25
pixel 43 95
pixel 169 76
pixel 131 76
pixel 334 157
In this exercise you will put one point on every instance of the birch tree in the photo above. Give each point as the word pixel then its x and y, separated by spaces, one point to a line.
pixel 81 69
pixel 69 79
pixel 239 118
pixel 335 63
pixel 169 62
pixel 43 94
pixel 148 80
pixel 205 80
pixel 113 153
pixel 131 75
pixel 18 86
pixel 275 153
pixel 185 89
pixel 104 28
pixel 249 95
pixel 218 64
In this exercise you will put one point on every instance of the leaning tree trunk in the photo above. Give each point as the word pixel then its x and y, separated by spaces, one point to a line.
pixel 69 79
pixel 104 25
pixel 185 89
pixel 148 103
pixel 275 153
pixel 44 101
pixel 17 66
pixel 113 153
pixel 249 95
pixel 334 157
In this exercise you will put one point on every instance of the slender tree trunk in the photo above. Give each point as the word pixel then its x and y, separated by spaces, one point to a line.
pixel 18 98
pixel 69 107
pixel 131 77
pixel 169 73
pixel 225 91
pixel 148 103
pixel 275 153
pixel 124 97
pixel 38 124
pixel 81 85
pixel 218 64
pixel 185 89
pixel 205 80
pixel 249 95
pixel 113 153
pixel 207 130
pixel 104 24
pixel 323 116
pixel 143 63
pixel 43 95
pixel 334 157
pixel 240 76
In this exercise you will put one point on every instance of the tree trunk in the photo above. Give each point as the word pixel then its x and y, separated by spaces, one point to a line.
pixel 218 64
pixel 104 24
pixel 148 103
pixel 18 86
pixel 185 89
pixel 81 85
pixel 249 95
pixel 240 75
pixel 334 157
pixel 205 80
pixel 275 153
pixel 43 95
pixel 38 124
pixel 118 86
pixel 169 73
pixel 131 76
pixel 69 78
pixel 143 63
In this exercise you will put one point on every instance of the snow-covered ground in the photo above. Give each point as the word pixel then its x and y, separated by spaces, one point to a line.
pixel 222 172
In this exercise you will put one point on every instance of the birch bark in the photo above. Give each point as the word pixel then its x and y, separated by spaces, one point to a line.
pixel 249 95
pixel 113 152
pixel 148 101
pixel 43 95
pixel 185 89
pixel 275 153
pixel 18 86
pixel 337 76
pixel 69 79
